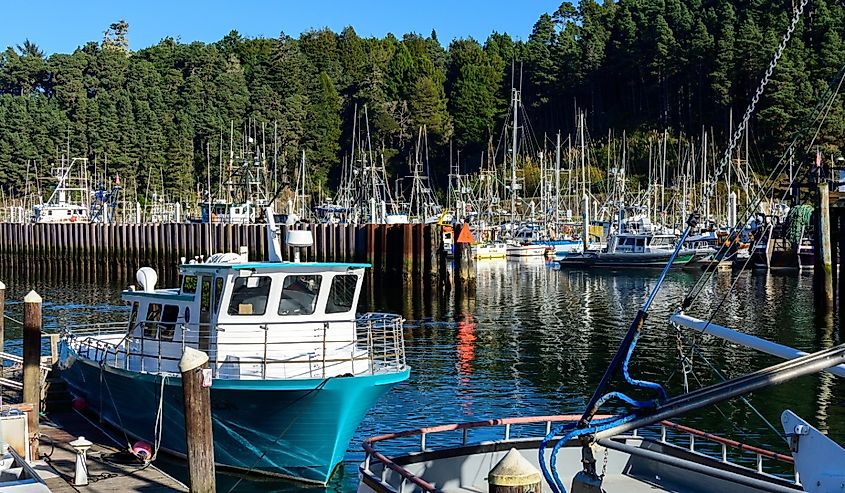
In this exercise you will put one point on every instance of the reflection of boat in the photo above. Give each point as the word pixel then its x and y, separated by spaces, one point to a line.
pixel 294 370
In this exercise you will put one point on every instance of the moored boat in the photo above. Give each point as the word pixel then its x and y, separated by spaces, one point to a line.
pixel 293 368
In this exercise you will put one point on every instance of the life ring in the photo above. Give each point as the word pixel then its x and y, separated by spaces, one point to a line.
pixel 73 218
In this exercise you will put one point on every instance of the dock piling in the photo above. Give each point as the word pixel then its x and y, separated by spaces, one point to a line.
pixel 2 322
pixel 32 364
pixel 824 257
pixel 464 260
pixel 514 474
pixel 197 400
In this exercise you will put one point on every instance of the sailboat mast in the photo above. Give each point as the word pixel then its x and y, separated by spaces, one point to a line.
pixel 557 180
pixel 514 97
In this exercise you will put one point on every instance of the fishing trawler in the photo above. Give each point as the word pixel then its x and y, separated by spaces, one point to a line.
pixel 294 370
pixel 70 200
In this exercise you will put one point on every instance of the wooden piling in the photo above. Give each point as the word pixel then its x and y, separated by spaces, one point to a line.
pixel 32 364
pixel 198 438
pixel 824 257
pixel 464 261
pixel 407 251
pixel 2 321
pixel 514 474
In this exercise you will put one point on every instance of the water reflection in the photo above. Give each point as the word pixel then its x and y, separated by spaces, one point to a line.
pixel 536 340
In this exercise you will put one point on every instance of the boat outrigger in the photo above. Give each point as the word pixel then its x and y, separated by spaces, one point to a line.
pixel 294 369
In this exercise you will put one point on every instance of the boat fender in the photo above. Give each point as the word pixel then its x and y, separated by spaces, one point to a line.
pixel 79 404
pixel 143 450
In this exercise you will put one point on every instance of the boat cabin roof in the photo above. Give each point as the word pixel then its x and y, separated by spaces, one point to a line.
pixel 276 266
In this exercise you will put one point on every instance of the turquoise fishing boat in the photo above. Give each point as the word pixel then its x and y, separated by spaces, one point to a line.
pixel 293 368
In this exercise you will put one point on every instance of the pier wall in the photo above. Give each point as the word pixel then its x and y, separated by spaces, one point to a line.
pixel 409 249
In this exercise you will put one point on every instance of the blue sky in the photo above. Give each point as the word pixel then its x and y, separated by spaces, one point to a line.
pixel 61 26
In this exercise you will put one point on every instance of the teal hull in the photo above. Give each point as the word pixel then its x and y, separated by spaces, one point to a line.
pixel 297 429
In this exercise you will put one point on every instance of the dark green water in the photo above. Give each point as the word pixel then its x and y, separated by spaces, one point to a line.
pixel 535 340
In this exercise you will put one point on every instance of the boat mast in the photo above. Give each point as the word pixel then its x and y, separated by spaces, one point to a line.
pixel 557 180
pixel 514 102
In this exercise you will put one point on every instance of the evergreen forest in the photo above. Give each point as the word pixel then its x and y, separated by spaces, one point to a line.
pixel 644 67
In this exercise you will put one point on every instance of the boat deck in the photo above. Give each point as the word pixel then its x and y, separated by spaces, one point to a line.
pixel 104 475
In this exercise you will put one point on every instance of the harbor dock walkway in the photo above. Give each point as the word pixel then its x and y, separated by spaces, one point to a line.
pixel 106 471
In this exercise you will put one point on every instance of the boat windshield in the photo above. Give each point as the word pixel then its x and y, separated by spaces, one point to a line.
pixel 249 295
pixel 299 294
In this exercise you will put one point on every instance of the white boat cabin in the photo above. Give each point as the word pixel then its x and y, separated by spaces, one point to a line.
pixel 265 320
pixel 640 243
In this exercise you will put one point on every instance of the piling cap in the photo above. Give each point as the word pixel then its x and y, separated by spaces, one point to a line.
pixel 191 359
pixel 32 297
pixel 514 470
pixel 80 443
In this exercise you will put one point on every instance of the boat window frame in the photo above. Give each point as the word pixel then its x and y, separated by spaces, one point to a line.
pixel 316 301
pixel 185 282
pixel 219 286
pixel 234 295
pixel 133 315
pixel 329 298
pixel 151 323
pixel 167 324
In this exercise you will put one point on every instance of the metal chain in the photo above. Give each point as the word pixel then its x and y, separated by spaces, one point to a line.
pixel 737 135
pixel 604 465
pixel 686 362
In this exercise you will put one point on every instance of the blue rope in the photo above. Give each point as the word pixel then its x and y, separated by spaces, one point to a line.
pixel 549 437
pixel 598 425
pixel 558 484
pixel 640 383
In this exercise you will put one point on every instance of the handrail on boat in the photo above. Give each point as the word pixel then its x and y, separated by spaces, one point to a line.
pixel 376 340
pixel 387 463
pixel 725 442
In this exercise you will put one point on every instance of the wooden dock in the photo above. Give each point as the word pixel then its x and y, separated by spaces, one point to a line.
pixel 108 471
pixel 408 249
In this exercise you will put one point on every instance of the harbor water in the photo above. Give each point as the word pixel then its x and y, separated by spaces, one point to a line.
pixel 535 340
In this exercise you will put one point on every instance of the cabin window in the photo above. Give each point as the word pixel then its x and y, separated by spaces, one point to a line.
pixel 640 242
pixel 133 316
pixel 153 316
pixel 249 295
pixel 342 294
pixel 168 322
pixel 299 295
pixel 218 293
pixel 189 285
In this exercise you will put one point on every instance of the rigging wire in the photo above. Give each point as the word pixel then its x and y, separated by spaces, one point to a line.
pixel 586 424
pixel 826 100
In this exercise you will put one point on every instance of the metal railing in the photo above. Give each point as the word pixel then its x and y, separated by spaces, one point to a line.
pixel 385 464
pixel 313 349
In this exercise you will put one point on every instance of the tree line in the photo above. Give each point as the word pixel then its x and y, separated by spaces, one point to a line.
pixel 634 65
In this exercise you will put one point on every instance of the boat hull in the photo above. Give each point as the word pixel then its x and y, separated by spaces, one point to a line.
pixel 297 429
pixel 626 260
pixel 526 251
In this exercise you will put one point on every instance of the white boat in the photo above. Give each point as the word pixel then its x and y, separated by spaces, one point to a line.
pixel 283 341
pixel 490 250
pixel 529 250
pixel 70 200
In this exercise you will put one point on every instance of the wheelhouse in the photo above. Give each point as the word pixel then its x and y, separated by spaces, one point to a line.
pixel 299 317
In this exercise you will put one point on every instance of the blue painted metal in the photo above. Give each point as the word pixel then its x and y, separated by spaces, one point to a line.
pixel 294 428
